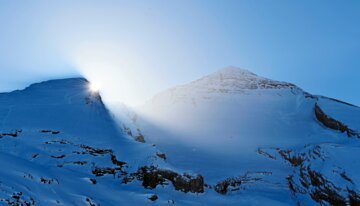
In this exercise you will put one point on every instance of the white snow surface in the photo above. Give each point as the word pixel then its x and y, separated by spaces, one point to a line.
pixel 47 163
pixel 215 126
pixel 229 124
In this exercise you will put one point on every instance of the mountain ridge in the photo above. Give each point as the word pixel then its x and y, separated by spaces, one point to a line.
pixel 263 144
pixel 235 122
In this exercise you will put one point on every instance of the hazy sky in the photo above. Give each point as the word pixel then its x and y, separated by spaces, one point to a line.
pixel 134 49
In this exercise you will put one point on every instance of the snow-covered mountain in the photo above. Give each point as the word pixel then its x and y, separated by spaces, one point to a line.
pixel 230 138
pixel 271 139
pixel 59 145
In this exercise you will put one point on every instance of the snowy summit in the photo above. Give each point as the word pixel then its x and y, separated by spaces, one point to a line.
pixel 232 79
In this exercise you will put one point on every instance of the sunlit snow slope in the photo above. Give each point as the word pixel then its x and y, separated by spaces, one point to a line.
pixel 235 124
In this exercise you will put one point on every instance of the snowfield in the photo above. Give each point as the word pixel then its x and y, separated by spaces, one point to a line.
pixel 229 138
pixel 234 122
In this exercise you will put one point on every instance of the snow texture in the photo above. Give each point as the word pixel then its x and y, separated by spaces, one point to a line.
pixel 253 141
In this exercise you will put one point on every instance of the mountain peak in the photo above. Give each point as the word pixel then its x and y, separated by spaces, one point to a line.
pixel 233 79
pixel 58 91
pixel 234 71
pixel 56 84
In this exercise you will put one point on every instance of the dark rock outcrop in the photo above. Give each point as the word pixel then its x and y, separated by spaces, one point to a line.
pixel 153 197
pixel 140 138
pixel 315 182
pixel 161 155
pixel 152 176
pixel 98 171
pixel 235 183
pixel 333 123
pixel 15 133
pixel 49 131
pixel 18 199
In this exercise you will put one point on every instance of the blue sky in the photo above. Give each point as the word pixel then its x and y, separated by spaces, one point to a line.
pixel 134 49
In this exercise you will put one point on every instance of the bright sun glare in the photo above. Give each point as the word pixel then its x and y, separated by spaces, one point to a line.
pixel 94 87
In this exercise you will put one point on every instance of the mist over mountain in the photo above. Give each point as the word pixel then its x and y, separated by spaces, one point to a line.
pixel 229 138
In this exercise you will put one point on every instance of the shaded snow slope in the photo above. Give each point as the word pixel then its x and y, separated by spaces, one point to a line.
pixel 60 146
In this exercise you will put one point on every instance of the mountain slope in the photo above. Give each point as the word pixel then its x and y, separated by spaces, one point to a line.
pixel 234 124
pixel 60 146
pixel 230 138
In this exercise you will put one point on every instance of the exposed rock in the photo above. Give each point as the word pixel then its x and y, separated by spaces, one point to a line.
pixel 266 154
pixel 294 159
pixel 93 98
pixel 93 181
pixel 140 138
pixel 95 151
pixel 49 131
pixel 48 180
pixel 153 197
pixel 354 198
pixel 324 191
pixel 58 141
pixel 57 157
pixel 98 171
pixel 91 202
pixel 153 176
pixel 294 188
pixel 161 155
pixel 18 199
pixel 79 162
pixel 234 183
pixel 306 180
pixel 15 133
pixel 127 130
pixel 333 123
pixel 188 183
pixel 115 161
pixel 345 177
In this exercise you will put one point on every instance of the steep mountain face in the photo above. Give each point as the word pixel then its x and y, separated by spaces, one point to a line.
pixel 230 138
pixel 60 146
pixel 252 136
